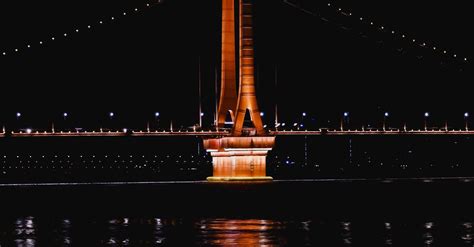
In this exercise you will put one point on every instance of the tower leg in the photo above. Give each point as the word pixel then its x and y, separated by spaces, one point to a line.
pixel 247 98
pixel 228 95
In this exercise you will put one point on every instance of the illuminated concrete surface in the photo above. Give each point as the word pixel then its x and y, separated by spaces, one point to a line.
pixel 239 158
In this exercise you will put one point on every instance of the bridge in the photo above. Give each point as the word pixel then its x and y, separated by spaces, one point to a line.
pixel 238 152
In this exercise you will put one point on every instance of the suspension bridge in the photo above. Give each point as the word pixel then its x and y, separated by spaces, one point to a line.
pixel 238 151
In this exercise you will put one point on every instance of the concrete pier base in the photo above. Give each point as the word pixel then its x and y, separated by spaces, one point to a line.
pixel 239 158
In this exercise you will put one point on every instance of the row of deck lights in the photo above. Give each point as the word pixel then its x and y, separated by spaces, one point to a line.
pixel 111 114
pixel 386 115
pixel 345 119
pixel 65 115
pixel 346 115
pixel 303 115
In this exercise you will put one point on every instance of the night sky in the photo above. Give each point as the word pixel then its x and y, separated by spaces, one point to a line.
pixel 147 61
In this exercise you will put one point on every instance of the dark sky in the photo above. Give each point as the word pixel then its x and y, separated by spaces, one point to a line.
pixel 147 61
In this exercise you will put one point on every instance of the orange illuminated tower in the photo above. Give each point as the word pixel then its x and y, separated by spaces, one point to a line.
pixel 241 156
pixel 230 102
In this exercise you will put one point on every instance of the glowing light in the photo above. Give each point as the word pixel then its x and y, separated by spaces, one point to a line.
pixel 202 114
pixel 403 35
pixel 454 55
pixel 65 114
pixel 434 48
pixel 157 114
pixel 304 114
pixel 361 18
pixel 427 114
pixel 28 131
pixel 111 114
pixel 76 30
pixel 465 59
pixel 329 4
pixel 125 130
pixel 346 114
pixel 386 114
pixel 466 114
pixel 393 31
pixel 18 114
pixel 262 114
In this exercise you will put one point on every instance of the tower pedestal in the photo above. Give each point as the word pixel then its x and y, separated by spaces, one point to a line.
pixel 239 158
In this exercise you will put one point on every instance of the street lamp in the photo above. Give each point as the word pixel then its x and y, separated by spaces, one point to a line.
pixel 200 118
pixel 427 114
pixel 18 115
pixel 303 115
pixel 385 116
pixel 466 116
pixel 64 117
pixel 157 115
pixel 345 119
pixel 111 116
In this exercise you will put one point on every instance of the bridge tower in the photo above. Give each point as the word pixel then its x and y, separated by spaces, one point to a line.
pixel 241 156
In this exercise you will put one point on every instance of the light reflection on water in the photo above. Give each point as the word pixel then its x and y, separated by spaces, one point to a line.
pixel 247 232
pixel 125 231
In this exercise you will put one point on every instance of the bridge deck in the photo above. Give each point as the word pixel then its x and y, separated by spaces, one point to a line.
pixel 211 133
